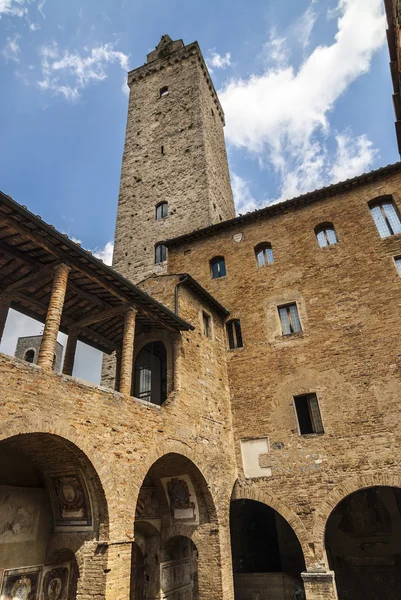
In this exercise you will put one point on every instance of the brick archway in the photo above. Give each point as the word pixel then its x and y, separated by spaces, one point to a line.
pixel 295 522
pixel 37 423
pixel 342 491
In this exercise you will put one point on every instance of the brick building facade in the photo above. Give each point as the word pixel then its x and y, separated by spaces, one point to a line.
pixel 250 448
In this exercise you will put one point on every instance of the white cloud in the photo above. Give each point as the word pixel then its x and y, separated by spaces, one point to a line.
pixel 67 73
pixel 12 8
pixel 34 26
pixel 217 61
pixel 282 115
pixel 243 199
pixel 12 49
pixel 40 8
pixel 106 253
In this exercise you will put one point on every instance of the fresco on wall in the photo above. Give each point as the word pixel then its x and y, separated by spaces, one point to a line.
pixel 70 499
pixel 19 514
pixel 21 584
pixel 147 506
pixel 182 498
pixel 55 582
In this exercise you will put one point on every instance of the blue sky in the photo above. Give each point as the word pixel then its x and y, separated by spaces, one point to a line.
pixel 305 86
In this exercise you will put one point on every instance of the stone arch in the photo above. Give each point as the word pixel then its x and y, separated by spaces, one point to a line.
pixel 249 493
pixel 338 494
pixel 38 423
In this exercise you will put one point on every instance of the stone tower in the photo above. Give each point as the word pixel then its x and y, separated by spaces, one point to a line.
pixel 28 349
pixel 174 175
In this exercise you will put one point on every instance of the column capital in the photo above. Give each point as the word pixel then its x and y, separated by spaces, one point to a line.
pixel 318 576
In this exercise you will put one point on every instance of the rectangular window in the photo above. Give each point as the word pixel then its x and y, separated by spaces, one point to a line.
pixel 234 334
pixel 207 325
pixel 308 414
pixel 397 260
pixel 289 318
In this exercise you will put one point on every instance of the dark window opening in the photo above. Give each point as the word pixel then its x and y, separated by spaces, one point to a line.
pixel 386 216
pixel 160 254
pixel 218 267
pixel 150 376
pixel 234 334
pixel 289 317
pixel 264 254
pixel 397 261
pixel 29 356
pixel 308 414
pixel 162 149
pixel 326 235
pixel 164 91
pixel 161 211
pixel 207 325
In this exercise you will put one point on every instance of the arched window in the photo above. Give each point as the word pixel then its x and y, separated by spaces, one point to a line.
pixel 29 356
pixel 150 376
pixel 160 253
pixel 325 234
pixel 218 267
pixel 264 253
pixel 385 215
pixel 234 334
pixel 161 211
pixel 164 91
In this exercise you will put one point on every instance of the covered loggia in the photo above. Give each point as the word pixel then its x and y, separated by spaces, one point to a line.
pixel 175 554
pixel 266 554
pixel 363 544
pixel 52 508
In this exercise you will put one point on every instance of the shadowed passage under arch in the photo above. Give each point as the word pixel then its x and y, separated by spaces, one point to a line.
pixel 266 554
pixel 172 530
pixel 363 544
pixel 51 503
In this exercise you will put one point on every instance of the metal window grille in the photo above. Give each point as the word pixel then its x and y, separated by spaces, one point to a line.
pixel 143 383
pixel 289 317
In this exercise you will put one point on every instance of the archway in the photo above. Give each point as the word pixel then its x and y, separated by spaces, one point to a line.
pixel 363 544
pixel 266 554
pixel 174 518
pixel 51 504
pixel 150 373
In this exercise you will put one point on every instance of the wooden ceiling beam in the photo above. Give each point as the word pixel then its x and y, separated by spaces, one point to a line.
pixel 39 275
pixel 101 316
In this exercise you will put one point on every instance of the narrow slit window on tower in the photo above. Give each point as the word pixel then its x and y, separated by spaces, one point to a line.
pixel 207 324
pixel 234 334
pixel 308 414
pixel 325 235
pixel 397 260
pixel 162 149
pixel 386 216
pixel 218 267
pixel 289 318
pixel 161 211
pixel 164 91
pixel 264 254
pixel 160 254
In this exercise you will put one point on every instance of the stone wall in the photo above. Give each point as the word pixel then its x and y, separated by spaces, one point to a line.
pixel 348 353
pixel 174 151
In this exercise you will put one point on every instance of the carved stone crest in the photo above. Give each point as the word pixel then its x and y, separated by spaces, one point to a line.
pixel 238 237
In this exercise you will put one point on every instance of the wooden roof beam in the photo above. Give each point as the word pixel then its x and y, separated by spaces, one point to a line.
pixel 101 316
pixel 40 275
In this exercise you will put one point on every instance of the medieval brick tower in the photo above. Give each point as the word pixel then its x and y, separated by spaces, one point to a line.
pixel 174 175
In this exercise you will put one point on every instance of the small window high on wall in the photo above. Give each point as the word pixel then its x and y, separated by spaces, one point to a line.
pixel 386 216
pixel 264 254
pixel 218 267
pixel 161 211
pixel 164 91
pixel 289 318
pixel 234 334
pixel 308 414
pixel 326 235
pixel 397 260
pixel 29 356
pixel 160 253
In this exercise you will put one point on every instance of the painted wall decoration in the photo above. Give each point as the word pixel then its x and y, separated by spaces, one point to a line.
pixel 21 584
pixel 19 514
pixel 147 506
pixel 70 500
pixel 182 498
pixel 55 582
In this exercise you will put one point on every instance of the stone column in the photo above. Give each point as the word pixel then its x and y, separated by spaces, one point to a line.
pixel 70 350
pixel 53 317
pixel 127 352
pixel 320 585
pixel 5 302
